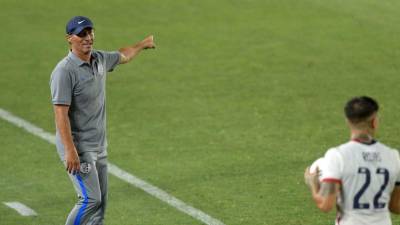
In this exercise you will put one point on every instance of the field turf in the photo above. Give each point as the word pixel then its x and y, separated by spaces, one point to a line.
pixel 225 114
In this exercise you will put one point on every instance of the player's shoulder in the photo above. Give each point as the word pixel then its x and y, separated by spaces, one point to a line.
pixel 333 153
pixel 340 151
pixel 385 148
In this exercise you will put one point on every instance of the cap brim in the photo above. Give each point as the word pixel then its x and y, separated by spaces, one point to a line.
pixel 80 28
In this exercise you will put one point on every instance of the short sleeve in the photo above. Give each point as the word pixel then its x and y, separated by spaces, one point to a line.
pixel 397 156
pixel 111 59
pixel 61 85
pixel 332 167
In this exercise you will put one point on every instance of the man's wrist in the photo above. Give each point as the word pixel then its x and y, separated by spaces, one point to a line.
pixel 70 149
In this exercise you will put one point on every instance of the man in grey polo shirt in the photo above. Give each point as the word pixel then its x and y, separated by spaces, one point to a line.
pixel 78 95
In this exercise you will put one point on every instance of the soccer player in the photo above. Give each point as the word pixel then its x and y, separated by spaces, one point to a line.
pixel 78 95
pixel 362 176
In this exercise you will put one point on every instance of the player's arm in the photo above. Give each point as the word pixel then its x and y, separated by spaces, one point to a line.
pixel 325 198
pixel 324 194
pixel 394 204
pixel 128 53
pixel 64 129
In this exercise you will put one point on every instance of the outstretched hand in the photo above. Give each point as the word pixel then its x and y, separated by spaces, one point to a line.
pixel 148 42
pixel 128 53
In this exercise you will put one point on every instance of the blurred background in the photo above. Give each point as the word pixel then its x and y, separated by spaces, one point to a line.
pixel 225 114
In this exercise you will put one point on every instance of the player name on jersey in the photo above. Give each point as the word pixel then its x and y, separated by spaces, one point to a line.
pixel 371 156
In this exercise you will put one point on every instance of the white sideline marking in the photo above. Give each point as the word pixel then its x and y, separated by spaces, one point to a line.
pixel 123 175
pixel 21 208
pixel 163 196
pixel 27 126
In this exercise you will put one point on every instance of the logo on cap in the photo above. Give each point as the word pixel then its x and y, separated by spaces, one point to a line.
pixel 77 24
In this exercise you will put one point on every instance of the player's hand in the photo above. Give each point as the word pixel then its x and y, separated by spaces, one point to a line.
pixel 311 179
pixel 148 42
pixel 72 161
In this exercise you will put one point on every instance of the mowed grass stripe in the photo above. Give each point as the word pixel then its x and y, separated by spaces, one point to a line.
pixel 123 175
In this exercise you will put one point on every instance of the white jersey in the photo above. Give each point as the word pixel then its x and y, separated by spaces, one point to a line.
pixel 368 174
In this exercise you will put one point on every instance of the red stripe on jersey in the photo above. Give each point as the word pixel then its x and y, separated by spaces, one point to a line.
pixel 332 180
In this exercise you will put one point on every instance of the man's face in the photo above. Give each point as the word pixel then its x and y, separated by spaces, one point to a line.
pixel 82 42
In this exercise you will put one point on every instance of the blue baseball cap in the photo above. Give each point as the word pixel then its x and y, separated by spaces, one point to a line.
pixel 77 24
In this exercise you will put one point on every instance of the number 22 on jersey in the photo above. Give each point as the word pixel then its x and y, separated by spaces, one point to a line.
pixel 367 173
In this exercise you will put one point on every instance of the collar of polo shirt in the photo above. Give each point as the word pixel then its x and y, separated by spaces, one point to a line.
pixel 79 61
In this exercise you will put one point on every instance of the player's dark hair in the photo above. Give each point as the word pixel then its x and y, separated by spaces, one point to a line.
pixel 358 109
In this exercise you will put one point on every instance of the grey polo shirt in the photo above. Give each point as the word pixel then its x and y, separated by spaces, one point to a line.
pixel 82 85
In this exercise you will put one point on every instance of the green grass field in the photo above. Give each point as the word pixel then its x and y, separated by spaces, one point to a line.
pixel 237 99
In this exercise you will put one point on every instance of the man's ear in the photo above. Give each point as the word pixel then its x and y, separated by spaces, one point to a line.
pixel 68 38
pixel 374 122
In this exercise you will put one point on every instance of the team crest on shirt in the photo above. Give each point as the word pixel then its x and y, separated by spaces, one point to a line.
pixel 85 167
pixel 100 69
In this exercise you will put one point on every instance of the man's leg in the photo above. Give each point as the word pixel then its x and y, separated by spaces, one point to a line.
pixel 98 216
pixel 86 185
